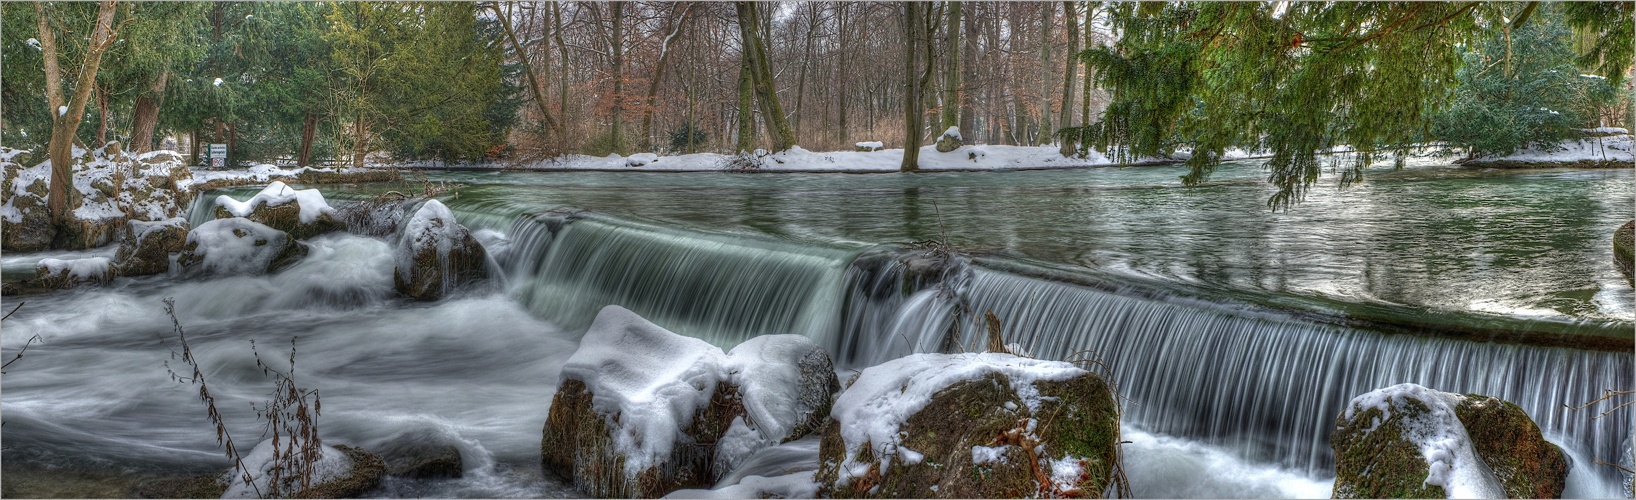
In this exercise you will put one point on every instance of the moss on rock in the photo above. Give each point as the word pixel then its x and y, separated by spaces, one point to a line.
pixel 577 446
pixel 1077 420
pixel 1624 251
pixel 1510 443
pixel 146 247
pixel 1376 456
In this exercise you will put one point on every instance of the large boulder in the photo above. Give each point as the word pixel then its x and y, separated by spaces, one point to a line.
pixel 147 246
pixel 339 472
pixel 1407 441
pixel 641 411
pixel 302 213
pixel 59 273
pixel 237 246
pixel 988 425
pixel 1624 250
pixel 435 255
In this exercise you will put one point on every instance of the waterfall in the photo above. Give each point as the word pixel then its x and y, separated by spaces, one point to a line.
pixel 1271 387
pixel 717 287
pixel 1262 381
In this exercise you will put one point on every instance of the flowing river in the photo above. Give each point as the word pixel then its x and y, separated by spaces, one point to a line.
pixel 1236 333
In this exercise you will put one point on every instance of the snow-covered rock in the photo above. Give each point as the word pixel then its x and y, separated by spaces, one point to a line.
pixel 642 411
pixel 146 246
pixel 237 246
pixel 59 273
pixel 302 213
pixel 23 218
pixel 950 140
pixel 867 146
pixel 987 425
pixel 1408 441
pixel 110 187
pixel 340 472
pixel 641 159
pixel 435 255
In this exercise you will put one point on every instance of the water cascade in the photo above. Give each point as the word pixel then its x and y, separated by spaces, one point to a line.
pixel 1266 383
pixel 720 288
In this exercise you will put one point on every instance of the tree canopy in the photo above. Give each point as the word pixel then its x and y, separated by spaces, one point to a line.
pixel 1298 79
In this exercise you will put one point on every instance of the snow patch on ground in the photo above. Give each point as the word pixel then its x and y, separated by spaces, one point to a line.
pixel 1615 149
pixel 874 409
pixel 796 159
pixel 277 193
pixel 1441 437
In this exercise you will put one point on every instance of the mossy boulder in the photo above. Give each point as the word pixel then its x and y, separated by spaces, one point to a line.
pixel 301 213
pixel 237 246
pixel 147 246
pixel 978 426
pixel 1624 250
pixel 58 273
pixel 422 453
pixel 1407 441
pixel 642 412
pixel 436 255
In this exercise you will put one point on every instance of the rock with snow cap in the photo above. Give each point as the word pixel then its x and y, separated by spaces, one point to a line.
pixel 237 246
pixel 436 255
pixel 642 411
pixel 302 213
pixel 59 273
pixel 987 425
pixel 147 246
pixel 1408 441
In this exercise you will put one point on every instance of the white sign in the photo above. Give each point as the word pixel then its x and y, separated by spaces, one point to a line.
pixel 217 151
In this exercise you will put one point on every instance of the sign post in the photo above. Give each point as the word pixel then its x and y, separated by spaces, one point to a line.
pixel 217 153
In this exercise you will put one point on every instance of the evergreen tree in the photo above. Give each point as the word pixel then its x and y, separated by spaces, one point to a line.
pixel 1519 88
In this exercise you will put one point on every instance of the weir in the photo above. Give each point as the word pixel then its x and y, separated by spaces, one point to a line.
pixel 1266 383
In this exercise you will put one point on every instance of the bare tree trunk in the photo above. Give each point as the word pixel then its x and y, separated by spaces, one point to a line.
pixel 841 28
pixel 951 77
pixel 1046 12
pixel 772 114
pixel 145 115
pixel 1085 84
pixel 67 111
pixel 746 99
pixel 562 52
pixel 1069 72
pixel 534 82
pixel 968 73
pixel 659 75
pixel 309 129
pixel 913 112
pixel 103 115
pixel 806 60
pixel 360 141
pixel 616 43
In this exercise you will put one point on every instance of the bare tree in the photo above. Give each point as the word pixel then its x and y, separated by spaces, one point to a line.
pixel 66 112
